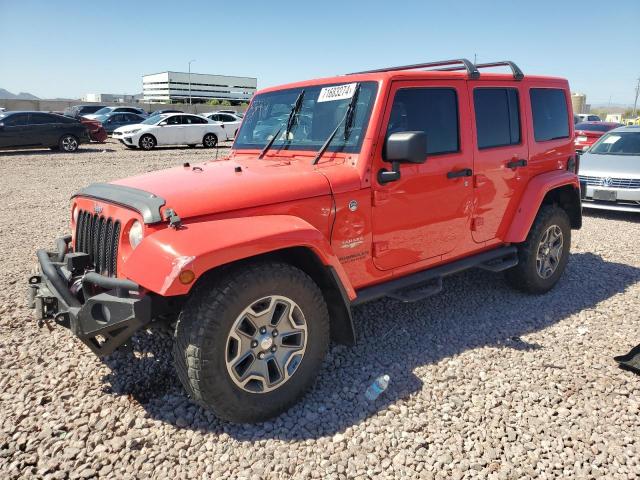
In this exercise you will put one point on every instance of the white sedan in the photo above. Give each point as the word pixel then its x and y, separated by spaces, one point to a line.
pixel 231 122
pixel 171 129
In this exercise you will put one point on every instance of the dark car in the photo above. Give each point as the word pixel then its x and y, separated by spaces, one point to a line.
pixel 40 129
pixel 78 111
pixel 111 121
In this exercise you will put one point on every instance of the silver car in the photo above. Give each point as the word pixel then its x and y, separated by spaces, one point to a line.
pixel 610 171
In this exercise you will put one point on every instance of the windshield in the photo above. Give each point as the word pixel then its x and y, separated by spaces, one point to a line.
pixel 618 143
pixel 153 119
pixel 594 127
pixel 103 110
pixel 322 108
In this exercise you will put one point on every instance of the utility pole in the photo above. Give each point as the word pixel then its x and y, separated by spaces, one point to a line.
pixel 635 102
pixel 190 62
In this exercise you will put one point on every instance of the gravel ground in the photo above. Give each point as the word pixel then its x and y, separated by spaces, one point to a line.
pixel 485 382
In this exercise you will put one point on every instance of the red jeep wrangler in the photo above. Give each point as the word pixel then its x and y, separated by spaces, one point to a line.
pixel 336 192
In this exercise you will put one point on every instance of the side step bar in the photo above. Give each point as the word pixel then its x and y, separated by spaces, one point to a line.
pixel 494 260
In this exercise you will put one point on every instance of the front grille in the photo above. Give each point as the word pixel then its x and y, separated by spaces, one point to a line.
pixel 98 236
pixel 611 182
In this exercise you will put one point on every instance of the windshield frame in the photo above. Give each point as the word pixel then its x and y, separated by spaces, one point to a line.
pixel 604 137
pixel 281 144
pixel 156 119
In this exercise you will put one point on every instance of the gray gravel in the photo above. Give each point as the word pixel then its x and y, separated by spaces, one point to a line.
pixel 485 382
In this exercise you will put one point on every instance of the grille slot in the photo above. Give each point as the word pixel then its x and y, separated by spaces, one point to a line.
pixel 98 236
pixel 612 182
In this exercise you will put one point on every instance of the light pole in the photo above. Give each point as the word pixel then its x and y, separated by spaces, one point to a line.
pixel 190 62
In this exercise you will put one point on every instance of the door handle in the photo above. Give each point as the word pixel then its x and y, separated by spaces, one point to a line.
pixel 465 172
pixel 517 163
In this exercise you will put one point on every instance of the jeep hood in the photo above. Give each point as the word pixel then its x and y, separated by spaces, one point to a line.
pixel 220 186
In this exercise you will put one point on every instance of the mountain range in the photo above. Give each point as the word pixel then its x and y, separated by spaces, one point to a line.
pixel 7 95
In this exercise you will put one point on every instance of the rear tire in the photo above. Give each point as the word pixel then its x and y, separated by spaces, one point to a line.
pixel 209 140
pixel 68 143
pixel 227 365
pixel 543 256
pixel 147 142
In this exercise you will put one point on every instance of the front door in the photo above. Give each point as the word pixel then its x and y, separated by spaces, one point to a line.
pixel 15 132
pixel 500 157
pixel 426 213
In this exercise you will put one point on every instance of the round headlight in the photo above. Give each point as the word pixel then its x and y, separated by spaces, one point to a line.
pixel 135 234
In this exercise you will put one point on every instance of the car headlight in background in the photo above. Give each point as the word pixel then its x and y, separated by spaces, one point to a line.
pixel 131 132
pixel 135 234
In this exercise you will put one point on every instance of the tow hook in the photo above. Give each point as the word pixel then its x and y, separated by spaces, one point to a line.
pixel 45 321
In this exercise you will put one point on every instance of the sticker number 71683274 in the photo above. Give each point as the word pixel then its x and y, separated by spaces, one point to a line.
pixel 339 92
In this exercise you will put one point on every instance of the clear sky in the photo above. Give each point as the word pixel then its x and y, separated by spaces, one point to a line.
pixel 69 48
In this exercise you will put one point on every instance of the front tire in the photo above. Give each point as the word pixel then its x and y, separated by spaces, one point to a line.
pixel 209 140
pixel 68 143
pixel 249 343
pixel 147 142
pixel 544 254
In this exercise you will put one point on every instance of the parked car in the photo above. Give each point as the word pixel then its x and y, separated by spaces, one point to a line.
pixel 2 109
pixel 22 129
pixel 407 176
pixel 587 133
pixel 97 133
pixel 588 117
pixel 78 111
pixel 610 171
pixel 171 129
pixel 229 121
pixel 112 121
pixel 106 110
pixel 167 110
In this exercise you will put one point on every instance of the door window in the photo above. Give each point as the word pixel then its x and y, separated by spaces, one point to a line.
pixel 431 110
pixel 192 119
pixel 550 115
pixel 227 118
pixel 174 120
pixel 17 120
pixel 497 117
pixel 41 119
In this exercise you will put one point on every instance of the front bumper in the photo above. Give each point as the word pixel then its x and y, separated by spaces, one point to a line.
pixel 103 312
pixel 622 199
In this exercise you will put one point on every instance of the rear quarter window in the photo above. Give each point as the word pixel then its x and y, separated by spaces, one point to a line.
pixel 550 114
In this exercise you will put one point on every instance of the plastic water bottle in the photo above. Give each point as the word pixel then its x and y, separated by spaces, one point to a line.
pixel 379 385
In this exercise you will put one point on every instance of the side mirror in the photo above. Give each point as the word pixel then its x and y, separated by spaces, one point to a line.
pixel 402 147
pixel 162 123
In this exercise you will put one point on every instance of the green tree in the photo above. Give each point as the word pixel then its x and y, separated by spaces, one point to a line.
pixel 214 101
pixel 226 103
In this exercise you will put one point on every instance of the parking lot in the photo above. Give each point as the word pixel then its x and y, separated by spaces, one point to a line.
pixel 485 382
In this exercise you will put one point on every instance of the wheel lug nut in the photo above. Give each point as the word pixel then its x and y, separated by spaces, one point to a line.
pixel 263 330
pixel 261 355
pixel 254 344
pixel 273 349
pixel 274 333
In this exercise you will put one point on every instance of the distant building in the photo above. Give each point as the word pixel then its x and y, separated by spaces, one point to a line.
pixel 579 103
pixel 168 87
pixel 109 98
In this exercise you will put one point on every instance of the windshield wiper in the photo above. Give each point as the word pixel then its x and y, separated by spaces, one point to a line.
pixel 292 114
pixel 347 119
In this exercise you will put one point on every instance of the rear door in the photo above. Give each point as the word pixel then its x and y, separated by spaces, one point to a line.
pixel 45 128
pixel 194 128
pixel 501 156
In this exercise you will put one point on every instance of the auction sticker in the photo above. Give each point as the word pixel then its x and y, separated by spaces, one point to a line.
pixel 339 92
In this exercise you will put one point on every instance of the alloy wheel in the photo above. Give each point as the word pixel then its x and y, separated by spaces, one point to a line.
pixel 549 251
pixel 69 143
pixel 266 344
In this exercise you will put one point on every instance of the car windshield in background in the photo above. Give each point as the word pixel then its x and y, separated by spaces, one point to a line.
pixel 102 111
pixel 618 143
pixel 154 119
pixel 593 127
pixel 322 109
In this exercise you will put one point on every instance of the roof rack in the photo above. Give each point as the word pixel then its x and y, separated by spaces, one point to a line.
pixel 452 65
